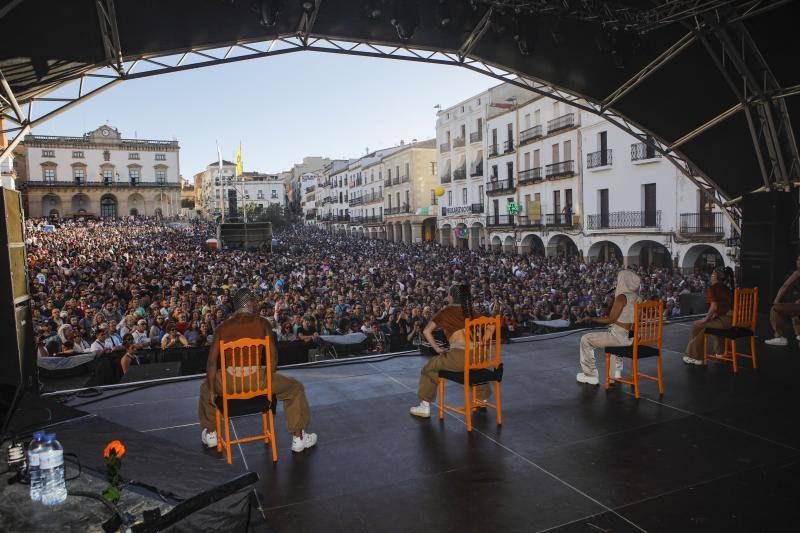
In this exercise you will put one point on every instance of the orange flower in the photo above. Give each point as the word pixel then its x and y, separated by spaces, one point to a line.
pixel 117 447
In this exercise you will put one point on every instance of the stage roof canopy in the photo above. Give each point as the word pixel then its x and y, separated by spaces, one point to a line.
pixel 713 82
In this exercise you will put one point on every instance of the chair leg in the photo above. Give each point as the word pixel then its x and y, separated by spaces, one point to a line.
pixel 474 396
pixel 272 437
pixel 266 428
pixel 636 376
pixel 753 352
pixel 467 407
pixel 733 356
pixel 497 402
pixel 705 349
pixel 608 366
pixel 227 433
pixel 660 380
pixel 441 399
pixel 219 434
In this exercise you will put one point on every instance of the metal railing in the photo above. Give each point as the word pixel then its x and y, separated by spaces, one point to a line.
pixel 476 169
pixel 444 147
pixel 342 218
pixel 624 220
pixel 370 197
pixel 500 186
pixel 500 220
pixel 643 152
pixel 531 134
pixel 561 169
pixel 446 178
pixel 508 146
pixel 476 208
pixel 358 200
pixel 459 142
pixel 90 183
pixel 387 182
pixel 475 137
pixel 404 179
pixel 391 210
pixel 561 123
pixel 460 173
pixel 701 224
pixel 600 158
pixel 493 150
pixel 529 175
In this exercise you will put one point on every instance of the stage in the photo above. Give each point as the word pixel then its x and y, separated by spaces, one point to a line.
pixel 717 452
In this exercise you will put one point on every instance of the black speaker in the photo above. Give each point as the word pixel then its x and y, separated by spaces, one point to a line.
pixel 769 242
pixel 17 359
pixel 232 211
pixel 240 235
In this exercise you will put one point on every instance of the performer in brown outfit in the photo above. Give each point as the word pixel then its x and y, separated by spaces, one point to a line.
pixel 719 315
pixel 242 324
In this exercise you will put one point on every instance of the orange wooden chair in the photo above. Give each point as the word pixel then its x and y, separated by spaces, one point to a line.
pixel 647 329
pixel 482 365
pixel 246 390
pixel 745 309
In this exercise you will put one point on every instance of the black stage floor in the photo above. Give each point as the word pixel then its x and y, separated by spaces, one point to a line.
pixel 717 453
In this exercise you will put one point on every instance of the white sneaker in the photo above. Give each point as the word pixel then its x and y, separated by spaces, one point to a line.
pixel 306 441
pixel 692 361
pixel 209 438
pixel 777 341
pixel 423 410
pixel 591 380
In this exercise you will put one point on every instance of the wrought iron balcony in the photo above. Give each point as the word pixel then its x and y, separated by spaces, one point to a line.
pixel 531 175
pixel 80 181
pixel 444 147
pixel 460 173
pixel 500 220
pixel 404 179
pixel 391 211
pixel 528 221
pixel 445 178
pixel 508 146
pixel 493 150
pixel 702 224
pixel 530 135
pixel 459 142
pixel 387 182
pixel 643 152
pixel 476 169
pixel 476 208
pixel 475 137
pixel 500 186
pixel 600 158
pixel 561 123
pixel 358 200
pixel 560 170
pixel 561 220
pixel 624 220
pixel 371 197
pixel 342 218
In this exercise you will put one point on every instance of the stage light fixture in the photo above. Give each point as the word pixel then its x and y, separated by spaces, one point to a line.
pixel 269 11
pixel 373 9
pixel 308 6
pixel 525 34
pixel 405 18
pixel 443 13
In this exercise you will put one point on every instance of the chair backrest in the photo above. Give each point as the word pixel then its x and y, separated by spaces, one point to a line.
pixel 245 358
pixel 745 308
pixel 482 342
pixel 647 327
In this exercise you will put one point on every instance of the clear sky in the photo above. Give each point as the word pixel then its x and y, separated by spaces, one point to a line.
pixel 281 108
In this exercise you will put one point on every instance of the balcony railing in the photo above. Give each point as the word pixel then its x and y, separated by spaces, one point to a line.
pixel 508 147
pixel 500 186
pixel 561 123
pixel 476 169
pixel 358 200
pixel 460 173
pixel 459 142
pixel 387 182
pixel 500 220
pixel 90 183
pixel 391 210
pixel 709 224
pixel 531 134
pixel 600 158
pixel 643 152
pixel 404 179
pixel 445 178
pixel 624 220
pixel 342 218
pixel 530 175
pixel 369 219
pixel 476 208
pixel 462 210
pixel 493 150
pixel 475 137
pixel 561 169
pixel 370 197
pixel 444 147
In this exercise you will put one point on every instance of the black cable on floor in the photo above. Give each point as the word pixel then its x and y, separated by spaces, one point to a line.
pixel 110 506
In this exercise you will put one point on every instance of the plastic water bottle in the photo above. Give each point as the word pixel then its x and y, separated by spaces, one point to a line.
pixel 34 449
pixel 51 466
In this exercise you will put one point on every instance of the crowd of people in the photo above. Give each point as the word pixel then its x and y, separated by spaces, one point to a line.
pixel 122 285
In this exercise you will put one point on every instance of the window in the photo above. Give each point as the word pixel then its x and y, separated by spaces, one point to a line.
pixel 510 170
pixel 274 193
pixel 108 175
pixel 389 173
pixel 555 156
pixel 449 198
pixel 161 176
pixel 567 150
pixel 537 117
pixel 536 159
pixel 77 154
pixel 408 199
pixel 49 175
pixel 494 172
pixel 133 173
pixel 80 175
pixel 464 196
pixel 527 120
pixel 408 171
pixel 48 153
pixel 480 193
pixel 133 156
pixel 161 157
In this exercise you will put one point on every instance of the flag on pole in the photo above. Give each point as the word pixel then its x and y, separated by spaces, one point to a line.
pixel 239 160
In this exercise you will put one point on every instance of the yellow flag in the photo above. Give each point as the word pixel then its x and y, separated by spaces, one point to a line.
pixel 239 160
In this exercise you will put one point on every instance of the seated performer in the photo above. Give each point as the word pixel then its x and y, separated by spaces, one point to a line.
pixel 719 315
pixel 451 319
pixel 245 323
pixel 620 322
pixel 780 316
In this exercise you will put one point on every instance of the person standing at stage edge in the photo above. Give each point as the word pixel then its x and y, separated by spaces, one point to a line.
pixel 245 323
pixel 452 320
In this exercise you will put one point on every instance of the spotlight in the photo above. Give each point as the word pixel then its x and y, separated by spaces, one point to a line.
pixel 525 34
pixel 269 11
pixel 308 6
pixel 405 18
pixel 373 9
pixel 443 13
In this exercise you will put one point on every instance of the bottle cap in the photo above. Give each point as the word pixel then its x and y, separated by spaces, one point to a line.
pixel 50 437
pixel 38 435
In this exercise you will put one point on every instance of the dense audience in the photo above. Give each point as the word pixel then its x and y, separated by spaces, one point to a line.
pixel 106 286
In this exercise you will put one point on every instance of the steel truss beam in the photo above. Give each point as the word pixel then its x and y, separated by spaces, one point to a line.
pixel 475 35
pixel 156 65
pixel 107 17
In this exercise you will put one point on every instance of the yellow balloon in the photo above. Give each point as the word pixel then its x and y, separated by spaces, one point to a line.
pixel 439 191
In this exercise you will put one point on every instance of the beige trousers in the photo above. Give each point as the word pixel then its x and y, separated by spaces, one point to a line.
pixel 613 336
pixel 453 361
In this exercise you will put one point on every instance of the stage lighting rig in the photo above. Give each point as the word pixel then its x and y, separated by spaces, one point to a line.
pixel 525 34
pixel 405 18
pixel 268 11
pixel 373 9
pixel 443 17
